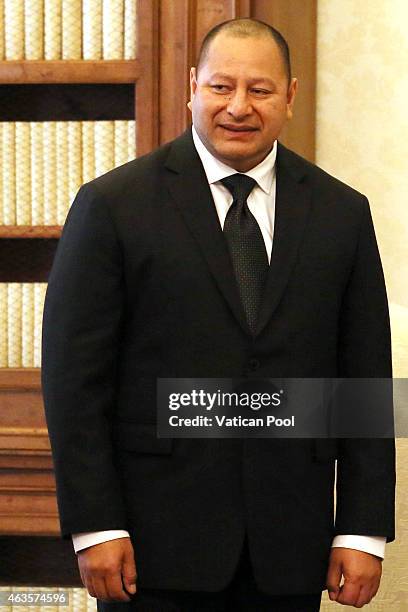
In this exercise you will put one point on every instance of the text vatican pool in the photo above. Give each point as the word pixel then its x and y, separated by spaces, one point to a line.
pixel 236 421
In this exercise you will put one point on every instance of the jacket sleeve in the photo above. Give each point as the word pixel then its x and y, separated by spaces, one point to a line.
pixel 366 467
pixel 81 338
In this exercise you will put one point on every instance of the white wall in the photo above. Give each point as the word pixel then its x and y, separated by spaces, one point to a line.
pixel 362 116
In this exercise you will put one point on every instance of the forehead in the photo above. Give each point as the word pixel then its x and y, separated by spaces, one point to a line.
pixel 244 56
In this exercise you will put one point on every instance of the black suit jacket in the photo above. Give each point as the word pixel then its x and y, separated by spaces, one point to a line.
pixel 142 287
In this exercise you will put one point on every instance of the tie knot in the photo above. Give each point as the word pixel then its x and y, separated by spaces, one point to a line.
pixel 239 185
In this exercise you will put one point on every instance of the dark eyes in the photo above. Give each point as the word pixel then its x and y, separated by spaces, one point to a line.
pixel 219 87
pixel 226 89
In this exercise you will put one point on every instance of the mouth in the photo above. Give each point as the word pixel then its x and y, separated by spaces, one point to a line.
pixel 238 129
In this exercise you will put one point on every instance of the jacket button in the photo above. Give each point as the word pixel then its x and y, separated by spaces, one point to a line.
pixel 253 364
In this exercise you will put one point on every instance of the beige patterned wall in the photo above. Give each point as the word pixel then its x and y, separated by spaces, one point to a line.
pixel 362 138
pixel 362 119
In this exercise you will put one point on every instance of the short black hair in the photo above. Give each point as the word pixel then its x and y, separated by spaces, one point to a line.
pixel 246 28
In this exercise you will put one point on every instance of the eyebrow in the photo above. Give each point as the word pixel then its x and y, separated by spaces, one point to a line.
pixel 222 75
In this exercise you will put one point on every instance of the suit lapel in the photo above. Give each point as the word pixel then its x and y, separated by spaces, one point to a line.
pixel 292 208
pixel 188 186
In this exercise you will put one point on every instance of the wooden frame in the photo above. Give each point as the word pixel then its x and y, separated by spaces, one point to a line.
pixel 147 88
pixel 30 231
pixel 27 486
pixel 69 71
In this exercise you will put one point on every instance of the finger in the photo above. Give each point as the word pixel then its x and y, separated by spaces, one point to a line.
pixel 372 588
pixel 85 576
pixel 349 593
pixel 99 587
pixel 83 579
pixel 114 587
pixel 89 586
pixel 129 574
pixel 375 588
pixel 364 597
pixel 333 580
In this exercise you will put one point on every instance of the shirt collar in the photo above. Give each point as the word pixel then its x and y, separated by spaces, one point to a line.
pixel 216 170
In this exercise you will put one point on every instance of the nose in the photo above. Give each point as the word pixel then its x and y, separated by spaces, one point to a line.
pixel 239 105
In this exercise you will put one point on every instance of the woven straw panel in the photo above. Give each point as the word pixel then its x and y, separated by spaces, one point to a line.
pixel 71 29
pixel 14 33
pixel 52 29
pixel 92 29
pixel 130 50
pixel 112 29
pixel 34 29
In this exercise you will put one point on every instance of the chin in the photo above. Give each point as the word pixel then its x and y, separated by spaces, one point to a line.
pixel 234 152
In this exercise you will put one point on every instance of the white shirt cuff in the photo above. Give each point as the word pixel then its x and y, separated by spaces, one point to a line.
pixel 86 539
pixel 375 545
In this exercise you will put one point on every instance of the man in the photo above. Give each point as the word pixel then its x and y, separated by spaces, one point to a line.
pixel 148 282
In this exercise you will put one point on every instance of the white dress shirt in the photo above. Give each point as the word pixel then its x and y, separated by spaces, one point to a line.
pixel 261 203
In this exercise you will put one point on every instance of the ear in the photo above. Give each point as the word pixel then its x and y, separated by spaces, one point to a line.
pixel 193 86
pixel 292 90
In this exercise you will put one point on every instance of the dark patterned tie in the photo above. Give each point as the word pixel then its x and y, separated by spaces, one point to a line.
pixel 246 245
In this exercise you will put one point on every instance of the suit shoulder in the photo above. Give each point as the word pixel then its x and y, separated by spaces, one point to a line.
pixel 130 175
pixel 321 181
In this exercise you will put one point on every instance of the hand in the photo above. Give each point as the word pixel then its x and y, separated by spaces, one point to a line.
pixel 362 574
pixel 104 566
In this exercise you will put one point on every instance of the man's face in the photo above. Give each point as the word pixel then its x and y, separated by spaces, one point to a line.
pixel 240 99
